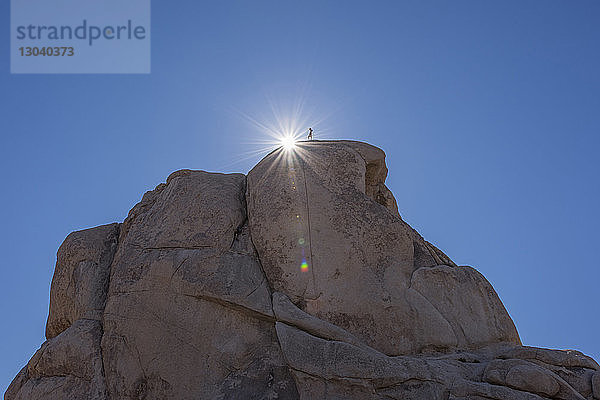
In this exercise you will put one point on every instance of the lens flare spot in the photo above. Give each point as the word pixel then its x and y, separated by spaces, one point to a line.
pixel 304 265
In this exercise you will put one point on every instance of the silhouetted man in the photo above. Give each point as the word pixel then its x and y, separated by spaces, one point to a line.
pixel 310 134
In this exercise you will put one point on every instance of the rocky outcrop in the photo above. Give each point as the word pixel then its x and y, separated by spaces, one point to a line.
pixel 189 314
pixel 68 366
pixel 81 275
pixel 331 369
pixel 361 256
pixel 468 302
pixel 299 281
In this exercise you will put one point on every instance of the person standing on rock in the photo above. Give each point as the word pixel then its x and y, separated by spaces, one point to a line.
pixel 310 134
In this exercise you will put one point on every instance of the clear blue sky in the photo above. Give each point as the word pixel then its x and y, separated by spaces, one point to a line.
pixel 489 113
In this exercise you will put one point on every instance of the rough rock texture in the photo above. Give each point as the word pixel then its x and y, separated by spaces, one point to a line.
pixel 467 301
pixel 300 281
pixel 361 256
pixel 596 384
pixel 81 276
pixel 189 314
pixel 68 366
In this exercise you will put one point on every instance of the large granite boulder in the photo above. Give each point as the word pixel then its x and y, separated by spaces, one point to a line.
pixel 333 212
pixel 188 313
pixel 300 281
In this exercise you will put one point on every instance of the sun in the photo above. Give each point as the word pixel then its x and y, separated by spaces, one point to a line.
pixel 288 142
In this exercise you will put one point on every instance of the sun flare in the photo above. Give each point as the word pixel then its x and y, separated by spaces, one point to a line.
pixel 284 123
pixel 288 142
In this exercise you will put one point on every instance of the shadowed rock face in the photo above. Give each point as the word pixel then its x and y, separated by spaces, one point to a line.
pixel 81 277
pixel 300 281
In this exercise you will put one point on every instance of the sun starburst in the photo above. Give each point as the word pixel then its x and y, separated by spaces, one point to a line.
pixel 288 142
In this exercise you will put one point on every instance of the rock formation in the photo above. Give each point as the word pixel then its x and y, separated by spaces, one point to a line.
pixel 299 281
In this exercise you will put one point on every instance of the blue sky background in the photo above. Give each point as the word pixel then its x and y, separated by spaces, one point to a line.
pixel 488 112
